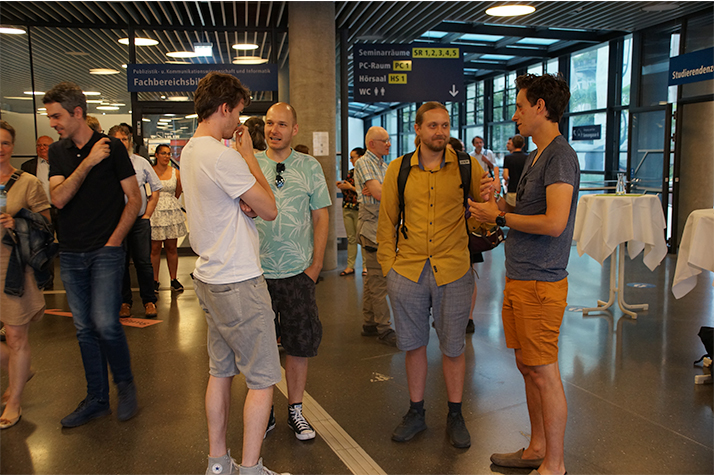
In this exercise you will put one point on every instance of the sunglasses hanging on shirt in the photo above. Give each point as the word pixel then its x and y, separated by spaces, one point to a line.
pixel 279 180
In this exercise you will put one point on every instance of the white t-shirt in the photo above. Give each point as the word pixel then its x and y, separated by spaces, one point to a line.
pixel 214 177
pixel 488 154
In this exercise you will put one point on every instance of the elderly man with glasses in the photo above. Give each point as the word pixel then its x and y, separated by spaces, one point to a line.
pixel 369 175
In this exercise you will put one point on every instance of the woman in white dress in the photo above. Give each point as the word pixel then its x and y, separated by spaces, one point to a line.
pixel 168 222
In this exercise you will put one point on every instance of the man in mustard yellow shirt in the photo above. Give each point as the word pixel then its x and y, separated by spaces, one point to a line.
pixel 430 266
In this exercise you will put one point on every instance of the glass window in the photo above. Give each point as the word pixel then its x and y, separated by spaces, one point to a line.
pixel 499 87
pixel 622 157
pixel 536 69
pixel 390 123
pixel 510 96
pixel 626 70
pixel 699 36
pixel 654 78
pixel 107 96
pixel 588 79
pixel 470 103
pixel 17 106
pixel 480 103
pixel 591 153
pixel 552 67
pixel 500 133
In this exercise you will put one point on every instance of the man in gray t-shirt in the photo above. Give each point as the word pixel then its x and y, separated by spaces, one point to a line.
pixel 537 250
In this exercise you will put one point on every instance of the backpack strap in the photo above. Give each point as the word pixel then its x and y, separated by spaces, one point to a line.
pixel 13 178
pixel 404 169
pixel 465 170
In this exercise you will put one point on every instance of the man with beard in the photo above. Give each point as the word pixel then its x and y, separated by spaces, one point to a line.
pixel 432 268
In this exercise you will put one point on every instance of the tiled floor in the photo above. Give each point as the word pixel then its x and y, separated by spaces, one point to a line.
pixel 633 405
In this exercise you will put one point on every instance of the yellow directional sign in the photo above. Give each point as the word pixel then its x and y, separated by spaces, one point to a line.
pixel 402 65
pixel 434 53
pixel 397 79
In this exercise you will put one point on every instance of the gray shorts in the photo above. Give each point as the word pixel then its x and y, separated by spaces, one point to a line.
pixel 241 333
pixel 450 304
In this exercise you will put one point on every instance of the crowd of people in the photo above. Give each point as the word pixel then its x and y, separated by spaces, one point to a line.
pixel 258 215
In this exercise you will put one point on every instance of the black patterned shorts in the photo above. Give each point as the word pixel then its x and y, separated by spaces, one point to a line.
pixel 296 310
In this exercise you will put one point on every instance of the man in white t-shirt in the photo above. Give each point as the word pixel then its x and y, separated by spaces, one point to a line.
pixel 486 159
pixel 224 190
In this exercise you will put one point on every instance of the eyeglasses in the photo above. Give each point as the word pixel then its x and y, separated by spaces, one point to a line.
pixel 386 141
pixel 279 180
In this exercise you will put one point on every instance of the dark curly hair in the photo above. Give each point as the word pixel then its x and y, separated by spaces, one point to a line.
pixel 551 88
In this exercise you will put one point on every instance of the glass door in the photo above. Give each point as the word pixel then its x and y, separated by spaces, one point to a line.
pixel 651 156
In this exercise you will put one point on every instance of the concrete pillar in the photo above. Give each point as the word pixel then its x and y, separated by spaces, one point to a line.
pixel 311 34
pixel 696 173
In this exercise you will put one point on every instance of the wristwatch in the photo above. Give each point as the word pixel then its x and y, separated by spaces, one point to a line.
pixel 501 219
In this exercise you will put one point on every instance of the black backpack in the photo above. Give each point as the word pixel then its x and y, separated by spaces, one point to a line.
pixel 405 167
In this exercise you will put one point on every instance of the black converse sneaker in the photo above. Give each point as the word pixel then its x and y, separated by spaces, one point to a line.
pixel 302 429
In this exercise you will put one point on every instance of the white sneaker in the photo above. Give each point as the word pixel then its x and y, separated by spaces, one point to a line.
pixel 303 430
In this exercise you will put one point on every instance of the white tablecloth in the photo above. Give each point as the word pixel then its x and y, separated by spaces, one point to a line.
pixel 604 221
pixel 696 251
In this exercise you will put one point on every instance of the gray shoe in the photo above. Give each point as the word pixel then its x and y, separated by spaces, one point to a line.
pixel 224 465
pixel 127 406
pixel 456 429
pixel 412 424
pixel 389 338
pixel 257 469
pixel 370 331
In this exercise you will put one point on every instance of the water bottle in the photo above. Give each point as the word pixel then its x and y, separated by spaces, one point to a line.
pixel 620 189
pixel 3 199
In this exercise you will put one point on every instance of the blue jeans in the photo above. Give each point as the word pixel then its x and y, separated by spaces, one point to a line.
pixel 92 281
pixel 139 242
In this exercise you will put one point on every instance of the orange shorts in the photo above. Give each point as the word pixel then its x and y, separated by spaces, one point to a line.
pixel 532 314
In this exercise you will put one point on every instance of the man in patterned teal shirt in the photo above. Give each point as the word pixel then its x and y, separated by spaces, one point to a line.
pixel 291 252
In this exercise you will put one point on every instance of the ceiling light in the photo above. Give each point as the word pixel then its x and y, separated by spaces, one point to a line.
pixel 36 93
pixel 94 101
pixel 182 54
pixel 178 98
pixel 249 60
pixel 245 46
pixel 103 71
pixel 660 7
pixel 21 98
pixel 117 104
pixel 124 66
pixel 41 109
pixel 139 41
pixel 8 30
pixel 143 119
pixel 92 93
pixel 510 10
pixel 178 62
pixel 191 116
pixel 203 49
pixel 107 108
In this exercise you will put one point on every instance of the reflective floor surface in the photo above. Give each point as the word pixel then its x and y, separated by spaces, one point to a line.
pixel 633 405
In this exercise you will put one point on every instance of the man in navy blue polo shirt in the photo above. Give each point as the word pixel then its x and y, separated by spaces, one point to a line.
pixel 89 176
